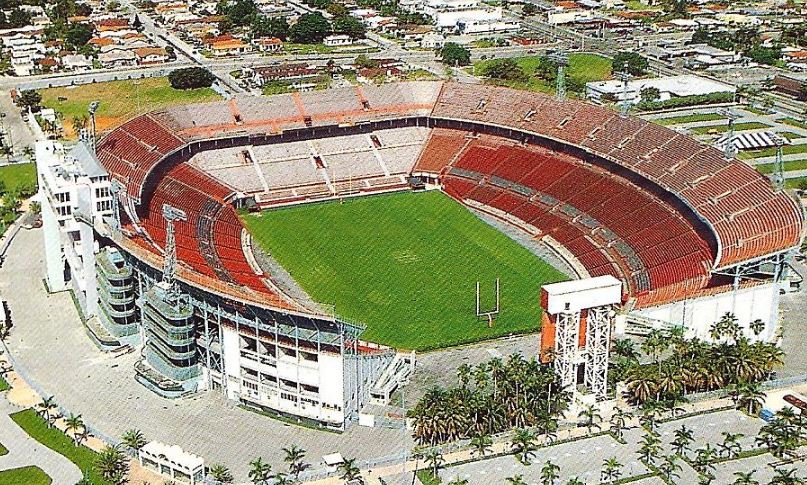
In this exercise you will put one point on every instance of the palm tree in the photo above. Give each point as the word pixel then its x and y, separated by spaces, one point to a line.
pixel 669 467
pixel 744 478
pixel 591 417
pixel 134 439
pixel 73 424
pixel 550 472
pixel 28 152
pixel 650 447
pixel 785 477
pixel 464 373
pixel 575 481
pixel 523 443
pixel 295 457
pixel 704 459
pixel 435 460
pixel 46 408
pixel 481 444
pixel 757 327
pixel 112 465
pixel 459 481
pixel 611 469
pixel 350 472
pixel 750 397
pixel 220 473
pixel 617 422
pixel 516 480
pixel 730 444
pixel 259 471
pixel 683 439
pixel 283 479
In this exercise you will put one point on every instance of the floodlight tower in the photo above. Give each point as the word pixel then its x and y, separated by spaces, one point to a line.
pixel 171 214
pixel 91 110
pixel 625 78
pixel 779 164
pixel 562 60
pixel 729 150
pixel 116 188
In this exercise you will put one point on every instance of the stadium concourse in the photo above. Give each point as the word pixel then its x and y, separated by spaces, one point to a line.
pixel 689 234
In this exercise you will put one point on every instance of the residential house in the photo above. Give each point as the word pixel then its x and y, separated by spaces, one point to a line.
pixel 270 45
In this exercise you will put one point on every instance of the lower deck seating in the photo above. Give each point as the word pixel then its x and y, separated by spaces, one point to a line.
pixel 209 241
pixel 609 224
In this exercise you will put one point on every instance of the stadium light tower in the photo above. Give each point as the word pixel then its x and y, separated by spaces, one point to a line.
pixel 562 60
pixel 171 214
pixel 625 78
pixel 116 188
pixel 779 164
pixel 729 151
pixel 92 109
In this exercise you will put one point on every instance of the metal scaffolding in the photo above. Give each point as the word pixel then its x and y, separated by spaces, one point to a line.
pixel 567 331
pixel 598 336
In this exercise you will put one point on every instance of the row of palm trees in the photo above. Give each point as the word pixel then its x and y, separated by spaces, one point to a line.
pixel 692 365
pixel 492 397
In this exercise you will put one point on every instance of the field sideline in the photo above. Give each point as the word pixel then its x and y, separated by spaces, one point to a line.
pixel 406 265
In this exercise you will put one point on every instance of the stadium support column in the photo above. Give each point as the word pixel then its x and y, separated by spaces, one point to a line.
pixel 577 329
pixel 567 334
pixel 598 337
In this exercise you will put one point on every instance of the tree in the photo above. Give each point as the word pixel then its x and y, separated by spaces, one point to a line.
pixel 550 472
pixel 311 28
pixel 75 424
pixel 362 61
pixel 683 440
pixel 78 35
pixel 750 397
pixel 630 62
pixel 459 481
pixel 350 26
pixel 283 479
pixel 784 476
pixel 259 471
pixel 529 9
pixel 240 12
pixel 79 123
pixel 611 469
pixel 481 444
pixel 191 78
pixel 29 99
pixel 730 445
pixel 350 472
pixel 18 18
pixel 650 94
pixel 617 422
pixel 454 54
pixel 295 457
pixel 744 478
pixel 591 417
pixel 523 444
pixel 505 69
pixel 263 26
pixel 757 327
pixel 112 465
pixel 134 439
pixel 435 460
pixel 220 473
pixel 46 409
pixel 669 467
pixel 516 480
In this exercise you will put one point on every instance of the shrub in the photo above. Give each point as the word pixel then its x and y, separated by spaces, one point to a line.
pixel 191 78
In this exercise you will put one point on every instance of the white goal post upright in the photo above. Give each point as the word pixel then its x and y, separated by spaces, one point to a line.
pixel 576 329
pixel 490 315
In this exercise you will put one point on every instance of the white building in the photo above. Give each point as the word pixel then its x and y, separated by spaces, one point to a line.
pixel 172 461
pixel 337 40
pixel 75 193
pixel 468 27
pixel 669 87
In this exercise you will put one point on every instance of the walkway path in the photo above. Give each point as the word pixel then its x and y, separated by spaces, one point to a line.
pixel 26 451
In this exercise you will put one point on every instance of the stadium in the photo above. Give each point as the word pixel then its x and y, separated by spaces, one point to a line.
pixel 234 240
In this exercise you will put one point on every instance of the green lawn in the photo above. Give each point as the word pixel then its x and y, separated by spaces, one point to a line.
pixel 4 385
pixel 677 120
pixel 789 166
pixel 754 110
pixel 753 125
pixel 120 100
pixel 29 475
pixel 796 183
pixel 3 450
pixel 582 68
pixel 793 122
pixel 769 152
pixel 790 135
pixel 18 176
pixel 406 265
pixel 37 428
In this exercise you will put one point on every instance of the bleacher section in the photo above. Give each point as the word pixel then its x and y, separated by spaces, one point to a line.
pixel 765 221
pixel 609 224
pixel 209 242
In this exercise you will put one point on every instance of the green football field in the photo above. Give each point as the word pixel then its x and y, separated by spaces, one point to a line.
pixel 406 265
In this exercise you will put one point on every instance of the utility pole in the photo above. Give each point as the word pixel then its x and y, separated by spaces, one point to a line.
pixel 624 77
pixel 779 165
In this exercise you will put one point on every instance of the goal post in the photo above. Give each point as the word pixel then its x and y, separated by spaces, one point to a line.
pixel 488 314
